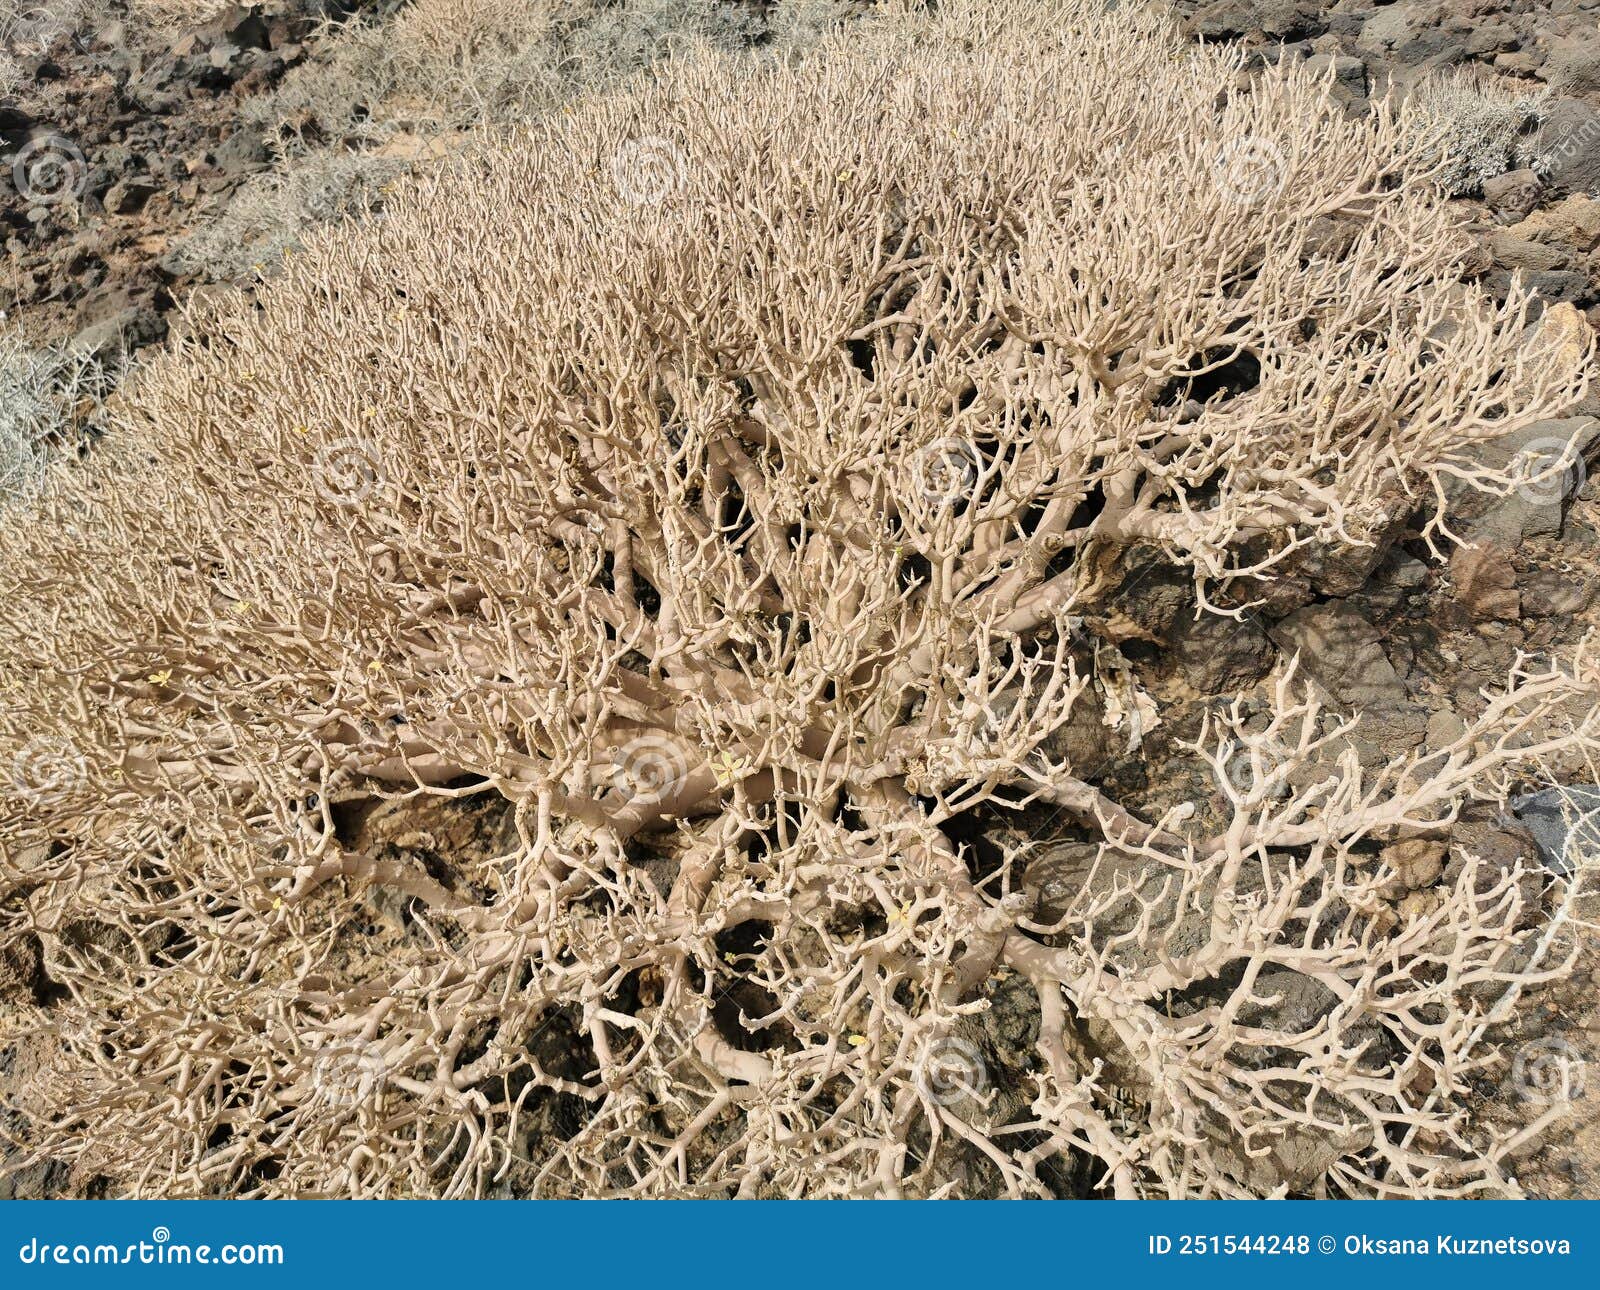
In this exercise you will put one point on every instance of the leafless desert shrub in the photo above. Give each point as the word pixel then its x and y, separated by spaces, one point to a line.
pixel 723 478
pixel 442 64
pixel 1474 129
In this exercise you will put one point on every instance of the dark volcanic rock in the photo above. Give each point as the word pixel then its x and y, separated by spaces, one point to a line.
pixel 1342 652
pixel 158 130
pixel 1565 824
pixel 1219 655
pixel 1568 147
pixel 1285 19
pixel 126 197
pixel 1573 66
pixel 1513 195
pixel 1349 75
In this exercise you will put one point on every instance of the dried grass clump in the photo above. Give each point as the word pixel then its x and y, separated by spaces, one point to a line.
pixel 274 213
pixel 719 483
pixel 175 13
pixel 440 64
pixel 29 29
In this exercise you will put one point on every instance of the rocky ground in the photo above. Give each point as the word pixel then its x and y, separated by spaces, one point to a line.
pixel 1533 205
pixel 1415 644
pixel 150 134
pixel 153 131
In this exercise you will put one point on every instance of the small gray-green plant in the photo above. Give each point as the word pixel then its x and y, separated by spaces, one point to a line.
pixel 47 397
pixel 1475 129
